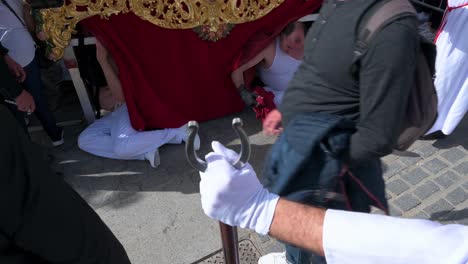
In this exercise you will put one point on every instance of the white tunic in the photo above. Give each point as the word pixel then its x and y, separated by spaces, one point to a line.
pixel 350 238
pixel 452 68
pixel 278 75
pixel 13 34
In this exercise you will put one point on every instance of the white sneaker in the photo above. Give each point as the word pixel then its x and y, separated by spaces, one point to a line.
pixel 185 132
pixel 59 141
pixel 153 158
pixel 274 258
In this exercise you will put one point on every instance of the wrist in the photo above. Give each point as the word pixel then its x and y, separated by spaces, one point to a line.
pixel 262 216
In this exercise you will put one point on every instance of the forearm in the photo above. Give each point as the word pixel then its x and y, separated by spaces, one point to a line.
pixel 112 79
pixel 28 18
pixel 237 77
pixel 299 224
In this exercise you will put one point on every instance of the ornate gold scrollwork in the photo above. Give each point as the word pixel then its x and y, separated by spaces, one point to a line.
pixel 208 15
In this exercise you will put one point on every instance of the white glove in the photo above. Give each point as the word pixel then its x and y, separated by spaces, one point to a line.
pixel 235 197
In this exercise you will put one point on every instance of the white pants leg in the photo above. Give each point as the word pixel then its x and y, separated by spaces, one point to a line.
pixel 114 137
pixel 96 138
pixel 131 144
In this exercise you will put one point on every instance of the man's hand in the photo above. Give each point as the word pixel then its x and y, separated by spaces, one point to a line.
pixel 25 102
pixel 15 68
pixel 232 196
pixel 272 124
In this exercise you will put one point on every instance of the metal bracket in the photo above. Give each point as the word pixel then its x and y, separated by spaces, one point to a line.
pixel 228 233
pixel 200 164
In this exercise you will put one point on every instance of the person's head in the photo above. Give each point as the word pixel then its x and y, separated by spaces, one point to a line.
pixel 292 39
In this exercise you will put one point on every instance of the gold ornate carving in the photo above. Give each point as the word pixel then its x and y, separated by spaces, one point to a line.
pixel 214 15
pixel 207 33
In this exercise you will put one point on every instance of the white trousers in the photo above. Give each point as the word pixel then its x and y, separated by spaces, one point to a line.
pixel 114 137
pixel 452 71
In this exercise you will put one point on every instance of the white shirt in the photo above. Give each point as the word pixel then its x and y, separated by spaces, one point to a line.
pixel 14 35
pixel 377 239
pixel 281 71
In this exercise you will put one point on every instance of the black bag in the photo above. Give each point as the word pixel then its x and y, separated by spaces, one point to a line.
pixel 41 4
pixel 42 60
pixel 421 111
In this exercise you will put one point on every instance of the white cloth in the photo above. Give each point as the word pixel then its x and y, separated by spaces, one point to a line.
pixel 114 137
pixel 451 80
pixel 235 197
pixel 369 239
pixel 13 34
pixel 455 3
pixel 276 78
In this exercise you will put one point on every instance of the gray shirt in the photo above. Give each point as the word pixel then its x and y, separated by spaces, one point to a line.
pixel 376 97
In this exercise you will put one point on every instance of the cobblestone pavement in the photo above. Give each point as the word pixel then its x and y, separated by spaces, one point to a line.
pixel 156 213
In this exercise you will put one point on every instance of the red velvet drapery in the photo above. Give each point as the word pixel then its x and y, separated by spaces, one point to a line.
pixel 172 76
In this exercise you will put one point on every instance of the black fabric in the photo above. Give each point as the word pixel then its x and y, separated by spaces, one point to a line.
pixel 3 50
pixel 374 99
pixel 9 87
pixel 43 219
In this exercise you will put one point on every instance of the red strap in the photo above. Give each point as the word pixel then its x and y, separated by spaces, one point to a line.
pixel 346 171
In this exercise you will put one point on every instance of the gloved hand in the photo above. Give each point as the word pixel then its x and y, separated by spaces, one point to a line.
pixel 235 197
pixel 249 98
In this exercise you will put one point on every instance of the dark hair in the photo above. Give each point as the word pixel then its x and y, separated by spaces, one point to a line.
pixel 289 29
pixel 291 26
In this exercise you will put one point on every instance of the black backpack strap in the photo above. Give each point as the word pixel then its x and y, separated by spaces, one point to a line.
pixel 380 15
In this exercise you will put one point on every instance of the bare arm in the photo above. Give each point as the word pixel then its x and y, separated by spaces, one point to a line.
pixel 110 72
pixel 238 75
pixel 299 224
pixel 28 18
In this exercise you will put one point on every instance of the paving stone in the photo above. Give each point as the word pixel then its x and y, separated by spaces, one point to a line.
pixel 263 238
pixel 426 150
pixel 407 202
pixel 453 155
pixel 435 166
pixel 426 190
pixel 394 211
pixel 388 195
pixel 461 217
pixel 446 179
pixel 465 185
pixel 438 207
pixel 457 196
pixel 393 168
pixel 420 215
pixel 415 176
pixel 462 168
pixel 408 161
pixel 389 158
pixel 397 186
pixel 274 247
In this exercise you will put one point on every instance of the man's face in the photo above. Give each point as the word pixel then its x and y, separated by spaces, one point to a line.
pixel 293 44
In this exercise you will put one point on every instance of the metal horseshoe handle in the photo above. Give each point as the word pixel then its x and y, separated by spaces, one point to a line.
pixel 200 164
pixel 229 236
pixel 190 151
